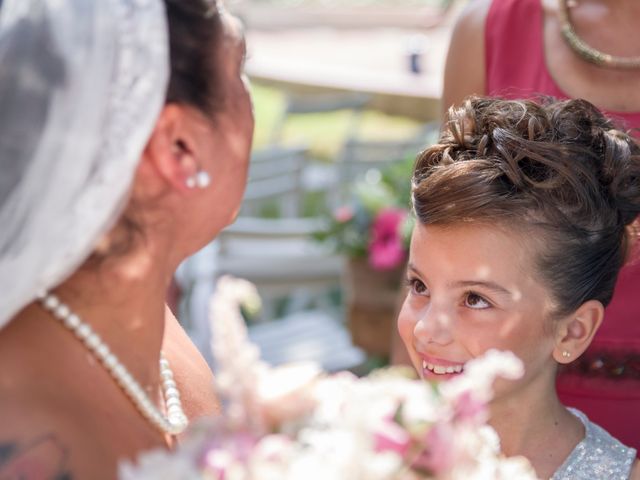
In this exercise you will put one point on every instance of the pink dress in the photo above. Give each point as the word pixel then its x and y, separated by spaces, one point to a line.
pixel 605 382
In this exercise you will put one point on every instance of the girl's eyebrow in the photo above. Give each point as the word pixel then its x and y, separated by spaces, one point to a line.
pixel 497 288
pixel 482 283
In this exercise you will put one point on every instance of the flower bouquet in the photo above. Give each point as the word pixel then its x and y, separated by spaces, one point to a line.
pixel 296 423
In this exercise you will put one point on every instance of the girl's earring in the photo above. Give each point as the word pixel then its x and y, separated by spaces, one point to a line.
pixel 200 180
pixel 566 354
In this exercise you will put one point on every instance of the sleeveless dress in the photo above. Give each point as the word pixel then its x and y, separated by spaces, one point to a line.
pixel 605 382
pixel 598 456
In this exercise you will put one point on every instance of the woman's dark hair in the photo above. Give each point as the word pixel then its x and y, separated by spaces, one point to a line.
pixel 559 170
pixel 195 34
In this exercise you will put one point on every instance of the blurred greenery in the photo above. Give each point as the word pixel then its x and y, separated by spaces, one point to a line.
pixel 324 133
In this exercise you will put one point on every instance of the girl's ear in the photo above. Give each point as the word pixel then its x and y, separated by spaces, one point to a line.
pixel 576 331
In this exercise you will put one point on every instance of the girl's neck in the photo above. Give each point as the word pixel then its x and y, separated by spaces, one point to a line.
pixel 536 425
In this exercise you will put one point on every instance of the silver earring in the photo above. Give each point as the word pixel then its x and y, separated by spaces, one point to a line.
pixel 566 354
pixel 201 180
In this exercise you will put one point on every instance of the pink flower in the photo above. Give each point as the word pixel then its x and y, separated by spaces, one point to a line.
pixel 386 250
pixel 439 455
pixel 469 409
pixel 392 438
pixel 343 214
pixel 222 453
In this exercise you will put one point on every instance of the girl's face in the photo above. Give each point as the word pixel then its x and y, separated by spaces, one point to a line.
pixel 472 288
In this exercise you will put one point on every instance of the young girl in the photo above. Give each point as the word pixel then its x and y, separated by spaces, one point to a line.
pixel 524 220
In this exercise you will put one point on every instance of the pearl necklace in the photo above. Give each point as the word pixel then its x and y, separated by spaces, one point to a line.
pixel 587 52
pixel 175 422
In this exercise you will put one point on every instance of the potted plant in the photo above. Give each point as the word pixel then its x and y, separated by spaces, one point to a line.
pixel 373 231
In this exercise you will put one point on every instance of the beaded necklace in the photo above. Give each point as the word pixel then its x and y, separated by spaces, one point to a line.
pixel 586 51
pixel 175 421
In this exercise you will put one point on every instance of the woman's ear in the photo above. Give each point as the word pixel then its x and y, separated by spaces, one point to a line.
pixel 576 331
pixel 168 153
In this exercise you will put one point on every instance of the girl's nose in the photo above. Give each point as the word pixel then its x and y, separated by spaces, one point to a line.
pixel 434 325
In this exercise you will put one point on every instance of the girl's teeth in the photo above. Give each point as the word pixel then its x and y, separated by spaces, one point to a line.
pixel 441 370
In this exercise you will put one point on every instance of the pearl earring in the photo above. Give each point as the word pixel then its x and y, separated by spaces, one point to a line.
pixel 566 354
pixel 201 180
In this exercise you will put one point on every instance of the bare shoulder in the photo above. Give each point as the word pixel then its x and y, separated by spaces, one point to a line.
pixel 635 471
pixel 191 371
pixel 473 16
pixel 43 455
pixel 465 66
pixel 42 443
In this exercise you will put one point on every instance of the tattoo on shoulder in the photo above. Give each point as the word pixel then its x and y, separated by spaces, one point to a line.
pixel 44 457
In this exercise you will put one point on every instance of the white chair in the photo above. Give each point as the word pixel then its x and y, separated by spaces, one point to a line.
pixel 318 175
pixel 275 177
pixel 307 336
pixel 359 156
pixel 281 258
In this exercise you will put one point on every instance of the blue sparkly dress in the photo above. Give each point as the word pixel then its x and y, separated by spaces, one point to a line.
pixel 598 456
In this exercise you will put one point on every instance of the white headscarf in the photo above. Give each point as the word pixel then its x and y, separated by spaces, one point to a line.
pixel 82 83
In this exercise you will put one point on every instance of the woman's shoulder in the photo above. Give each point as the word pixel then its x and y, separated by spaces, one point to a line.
pixel 43 440
pixel 191 371
pixel 464 68
pixel 58 422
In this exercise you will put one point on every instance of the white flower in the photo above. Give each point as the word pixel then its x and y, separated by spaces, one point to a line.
pixel 294 423
pixel 515 468
pixel 286 393
pixel 160 465
pixel 480 373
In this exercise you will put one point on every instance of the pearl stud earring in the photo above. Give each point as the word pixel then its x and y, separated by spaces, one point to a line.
pixel 566 354
pixel 201 180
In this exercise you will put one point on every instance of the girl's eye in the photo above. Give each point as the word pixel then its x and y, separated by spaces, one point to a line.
pixel 475 301
pixel 417 287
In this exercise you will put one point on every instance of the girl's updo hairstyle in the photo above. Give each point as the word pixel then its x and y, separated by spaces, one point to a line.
pixel 558 170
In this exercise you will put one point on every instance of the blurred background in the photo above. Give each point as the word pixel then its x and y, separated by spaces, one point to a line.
pixel 346 94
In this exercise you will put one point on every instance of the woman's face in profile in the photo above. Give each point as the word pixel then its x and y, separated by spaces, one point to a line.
pixel 472 288
pixel 226 143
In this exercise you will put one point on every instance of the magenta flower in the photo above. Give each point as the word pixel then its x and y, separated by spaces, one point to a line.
pixel 386 249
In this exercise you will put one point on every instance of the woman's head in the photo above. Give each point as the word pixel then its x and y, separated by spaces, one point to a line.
pixel 206 126
pixel 104 124
pixel 523 213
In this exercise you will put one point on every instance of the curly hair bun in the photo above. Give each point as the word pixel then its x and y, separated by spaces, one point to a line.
pixel 561 166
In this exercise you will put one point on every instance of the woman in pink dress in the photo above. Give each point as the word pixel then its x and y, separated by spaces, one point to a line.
pixel 588 49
